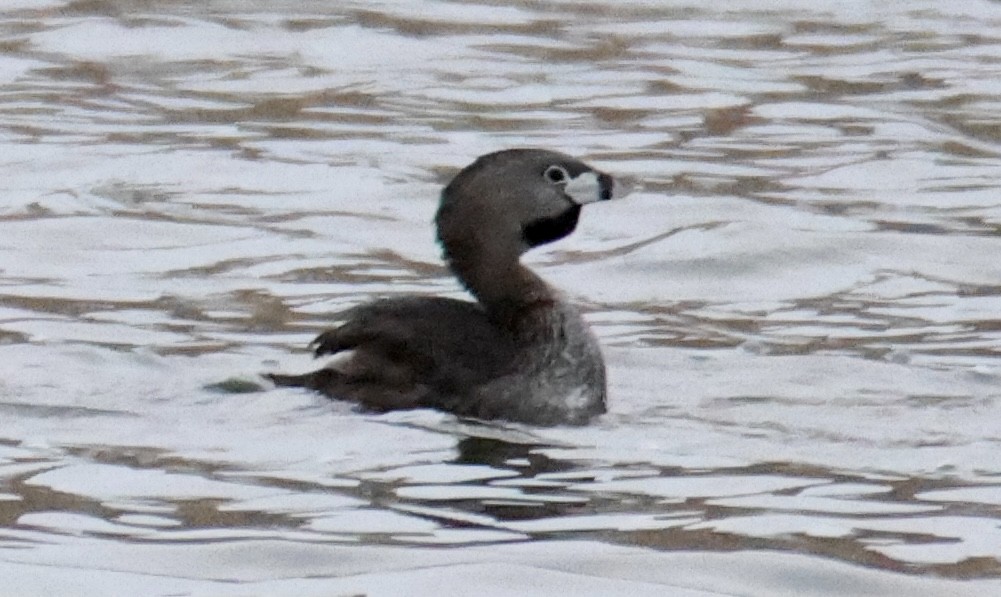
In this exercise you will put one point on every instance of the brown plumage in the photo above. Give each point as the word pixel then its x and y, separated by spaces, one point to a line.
pixel 521 352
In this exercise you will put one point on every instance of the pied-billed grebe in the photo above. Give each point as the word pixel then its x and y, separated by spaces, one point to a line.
pixel 522 353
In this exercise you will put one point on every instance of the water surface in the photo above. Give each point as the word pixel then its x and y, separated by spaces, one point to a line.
pixel 800 299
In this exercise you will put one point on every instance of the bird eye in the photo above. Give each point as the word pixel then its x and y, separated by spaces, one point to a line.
pixel 556 174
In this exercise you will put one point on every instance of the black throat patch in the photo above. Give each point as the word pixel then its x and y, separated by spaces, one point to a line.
pixel 546 230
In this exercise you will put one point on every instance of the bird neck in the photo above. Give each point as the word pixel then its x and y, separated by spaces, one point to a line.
pixel 499 282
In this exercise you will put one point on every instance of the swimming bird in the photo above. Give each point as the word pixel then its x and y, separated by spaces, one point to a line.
pixel 521 352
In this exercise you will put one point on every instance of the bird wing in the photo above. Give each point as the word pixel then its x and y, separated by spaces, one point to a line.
pixel 444 343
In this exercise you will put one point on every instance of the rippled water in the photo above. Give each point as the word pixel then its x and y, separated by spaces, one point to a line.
pixel 800 301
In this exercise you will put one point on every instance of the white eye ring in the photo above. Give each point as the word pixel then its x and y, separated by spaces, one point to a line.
pixel 556 175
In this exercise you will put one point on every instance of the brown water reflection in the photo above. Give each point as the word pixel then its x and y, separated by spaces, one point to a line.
pixel 799 300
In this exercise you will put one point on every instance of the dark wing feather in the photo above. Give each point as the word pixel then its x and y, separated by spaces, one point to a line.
pixel 446 344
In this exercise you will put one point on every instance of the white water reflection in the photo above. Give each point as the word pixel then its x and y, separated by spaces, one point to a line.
pixel 799 301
